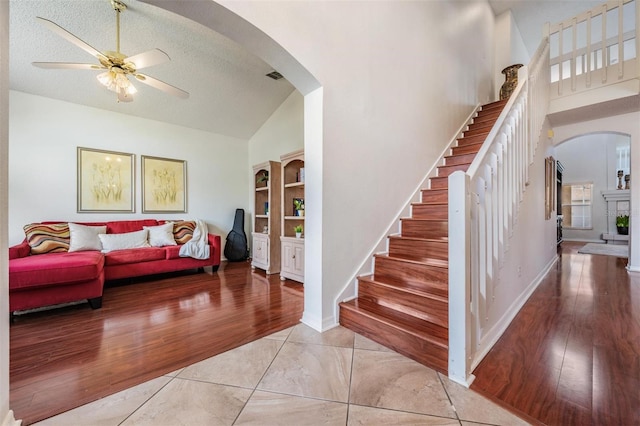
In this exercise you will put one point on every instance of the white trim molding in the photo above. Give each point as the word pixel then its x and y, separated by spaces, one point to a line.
pixel 9 420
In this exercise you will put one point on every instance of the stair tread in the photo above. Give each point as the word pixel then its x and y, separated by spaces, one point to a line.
pixel 414 291
pixel 454 165
pixel 456 155
pixel 415 262
pixel 430 203
pixel 409 324
pixel 397 236
pixel 431 262
pixel 477 132
pixel 424 219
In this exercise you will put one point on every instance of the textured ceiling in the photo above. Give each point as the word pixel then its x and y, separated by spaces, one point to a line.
pixel 229 92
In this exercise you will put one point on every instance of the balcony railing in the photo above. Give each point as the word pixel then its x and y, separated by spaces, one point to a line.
pixel 593 49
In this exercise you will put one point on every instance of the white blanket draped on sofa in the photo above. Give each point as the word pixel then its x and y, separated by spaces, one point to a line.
pixel 197 247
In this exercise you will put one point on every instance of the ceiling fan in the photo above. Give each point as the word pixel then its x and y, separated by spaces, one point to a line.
pixel 117 65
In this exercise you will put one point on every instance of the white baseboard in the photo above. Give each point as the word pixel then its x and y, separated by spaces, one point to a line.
pixel 9 420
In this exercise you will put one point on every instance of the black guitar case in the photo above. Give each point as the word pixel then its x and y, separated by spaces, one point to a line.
pixel 236 250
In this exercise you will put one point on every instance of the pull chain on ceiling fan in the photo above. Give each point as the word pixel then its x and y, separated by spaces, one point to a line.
pixel 117 65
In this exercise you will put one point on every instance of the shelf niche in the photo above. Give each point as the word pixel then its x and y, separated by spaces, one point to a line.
pixel 266 217
pixel 292 256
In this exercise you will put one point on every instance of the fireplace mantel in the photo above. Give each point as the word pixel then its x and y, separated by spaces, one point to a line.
pixel 617 203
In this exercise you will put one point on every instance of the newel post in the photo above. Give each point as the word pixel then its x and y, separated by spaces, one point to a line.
pixel 459 279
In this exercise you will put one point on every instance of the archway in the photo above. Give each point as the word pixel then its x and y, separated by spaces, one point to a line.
pixel 220 19
pixel 590 199
pixel 625 124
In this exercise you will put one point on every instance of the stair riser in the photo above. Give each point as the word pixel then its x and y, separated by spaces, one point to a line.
pixel 471 140
pixel 466 149
pixel 430 211
pixel 434 311
pixel 403 342
pixel 475 132
pixel 412 275
pixel 419 250
pixel 425 229
pixel 483 125
pixel 447 170
pixel 434 196
pixel 459 159
pixel 439 182
pixel 485 117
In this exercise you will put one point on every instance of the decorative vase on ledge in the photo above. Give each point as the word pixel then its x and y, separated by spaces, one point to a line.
pixel 510 81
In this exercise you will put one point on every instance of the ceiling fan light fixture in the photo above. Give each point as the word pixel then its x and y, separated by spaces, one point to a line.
pixel 116 82
pixel 118 65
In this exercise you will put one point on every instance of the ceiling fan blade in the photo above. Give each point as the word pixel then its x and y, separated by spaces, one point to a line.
pixel 68 65
pixel 71 38
pixel 154 82
pixel 148 59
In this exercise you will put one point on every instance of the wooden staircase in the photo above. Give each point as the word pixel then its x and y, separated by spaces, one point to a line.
pixel 404 305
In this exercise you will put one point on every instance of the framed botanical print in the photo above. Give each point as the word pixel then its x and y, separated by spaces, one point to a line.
pixel 164 185
pixel 105 181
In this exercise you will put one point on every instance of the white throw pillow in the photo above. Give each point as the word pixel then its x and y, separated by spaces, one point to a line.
pixel 83 237
pixel 127 240
pixel 161 235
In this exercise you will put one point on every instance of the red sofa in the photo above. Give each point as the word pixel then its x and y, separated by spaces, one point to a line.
pixel 37 280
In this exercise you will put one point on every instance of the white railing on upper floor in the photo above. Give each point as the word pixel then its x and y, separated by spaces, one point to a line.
pixel 483 209
pixel 595 48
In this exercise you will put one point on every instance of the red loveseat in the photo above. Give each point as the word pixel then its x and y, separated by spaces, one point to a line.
pixel 61 276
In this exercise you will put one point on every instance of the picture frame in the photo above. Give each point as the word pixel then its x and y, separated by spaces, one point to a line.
pixel 105 181
pixel 550 196
pixel 164 185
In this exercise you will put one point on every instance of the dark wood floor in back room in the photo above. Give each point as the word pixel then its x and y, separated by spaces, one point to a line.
pixel 63 358
pixel 572 355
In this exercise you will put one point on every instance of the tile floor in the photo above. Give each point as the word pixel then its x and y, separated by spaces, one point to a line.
pixel 296 377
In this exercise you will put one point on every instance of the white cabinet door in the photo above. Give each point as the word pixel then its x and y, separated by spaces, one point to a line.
pixel 292 259
pixel 260 252
pixel 298 259
pixel 287 257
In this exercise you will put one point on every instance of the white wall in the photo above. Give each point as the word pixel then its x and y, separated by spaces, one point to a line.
pixel 44 134
pixel 624 124
pixel 509 48
pixel 398 79
pixel 282 133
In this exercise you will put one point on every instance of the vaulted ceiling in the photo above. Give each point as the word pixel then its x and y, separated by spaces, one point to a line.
pixel 230 93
